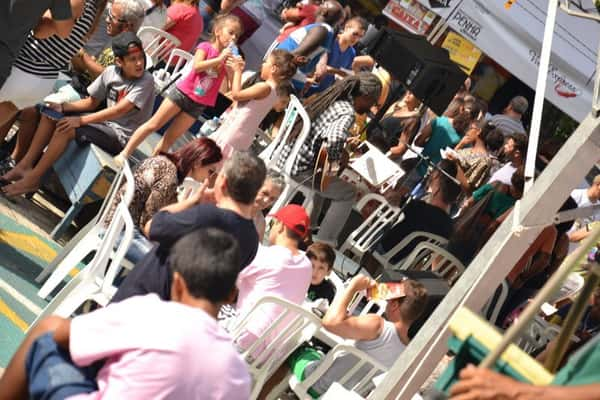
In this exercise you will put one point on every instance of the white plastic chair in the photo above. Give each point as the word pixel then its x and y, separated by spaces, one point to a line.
pixel 366 367
pixel 95 280
pixel 162 76
pixel 88 240
pixel 270 155
pixel 494 305
pixel 160 45
pixel 429 257
pixel 367 234
pixel 294 326
pixel 385 259
pixel 539 333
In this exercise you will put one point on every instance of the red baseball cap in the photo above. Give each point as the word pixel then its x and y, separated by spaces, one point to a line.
pixel 295 218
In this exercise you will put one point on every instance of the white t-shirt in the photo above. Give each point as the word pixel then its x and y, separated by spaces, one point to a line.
pixel 581 198
pixel 504 174
pixel 275 271
pixel 158 350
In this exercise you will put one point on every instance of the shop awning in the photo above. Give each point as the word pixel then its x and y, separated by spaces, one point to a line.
pixel 512 37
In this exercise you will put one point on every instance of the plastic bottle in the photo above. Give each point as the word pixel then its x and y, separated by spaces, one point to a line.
pixel 234 49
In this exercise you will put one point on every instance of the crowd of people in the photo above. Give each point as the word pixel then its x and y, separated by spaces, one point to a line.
pixel 204 254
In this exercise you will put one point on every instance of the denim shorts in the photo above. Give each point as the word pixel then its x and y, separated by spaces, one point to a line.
pixel 186 104
pixel 52 374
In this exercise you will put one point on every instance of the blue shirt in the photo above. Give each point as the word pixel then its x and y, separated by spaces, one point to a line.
pixel 337 59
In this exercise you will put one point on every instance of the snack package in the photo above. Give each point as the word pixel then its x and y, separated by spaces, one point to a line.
pixel 386 291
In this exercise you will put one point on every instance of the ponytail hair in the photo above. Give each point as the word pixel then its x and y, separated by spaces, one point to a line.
pixel 286 64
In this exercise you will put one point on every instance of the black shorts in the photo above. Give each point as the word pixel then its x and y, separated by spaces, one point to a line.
pixel 186 104
pixel 101 135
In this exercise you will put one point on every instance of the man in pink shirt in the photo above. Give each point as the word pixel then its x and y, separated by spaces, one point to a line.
pixel 280 270
pixel 143 347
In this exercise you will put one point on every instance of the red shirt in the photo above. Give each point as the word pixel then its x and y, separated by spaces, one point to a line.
pixel 188 24
pixel 308 13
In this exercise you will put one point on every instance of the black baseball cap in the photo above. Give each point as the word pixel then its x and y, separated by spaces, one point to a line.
pixel 126 43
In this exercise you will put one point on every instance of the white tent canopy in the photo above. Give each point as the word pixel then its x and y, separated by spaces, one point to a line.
pixel 512 37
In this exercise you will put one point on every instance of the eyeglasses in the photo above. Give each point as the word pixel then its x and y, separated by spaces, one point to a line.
pixel 112 17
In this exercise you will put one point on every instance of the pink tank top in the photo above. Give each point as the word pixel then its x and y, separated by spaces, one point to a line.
pixel 241 123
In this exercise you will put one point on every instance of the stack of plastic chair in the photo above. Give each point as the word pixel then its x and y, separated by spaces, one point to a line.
pixel 95 280
pixel 286 333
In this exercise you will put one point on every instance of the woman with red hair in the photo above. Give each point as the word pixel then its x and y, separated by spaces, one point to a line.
pixel 156 181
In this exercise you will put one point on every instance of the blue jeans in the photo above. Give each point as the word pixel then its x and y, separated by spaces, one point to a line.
pixel 139 247
pixel 52 374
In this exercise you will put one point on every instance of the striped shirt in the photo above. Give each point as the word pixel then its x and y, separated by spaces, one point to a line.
pixel 507 125
pixel 46 57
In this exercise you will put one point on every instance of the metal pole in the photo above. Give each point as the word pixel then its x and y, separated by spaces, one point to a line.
pixel 548 290
pixel 540 91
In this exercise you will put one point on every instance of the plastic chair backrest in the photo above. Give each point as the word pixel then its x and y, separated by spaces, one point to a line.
pixel 370 231
pixel 429 257
pixel 271 154
pixel 538 335
pixel 288 331
pixel 178 63
pixel 358 378
pixel 161 44
pixel 386 258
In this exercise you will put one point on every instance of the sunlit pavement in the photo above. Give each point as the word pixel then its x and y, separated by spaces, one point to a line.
pixel 25 248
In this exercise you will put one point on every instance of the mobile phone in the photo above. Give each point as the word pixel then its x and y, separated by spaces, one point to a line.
pixel 50 112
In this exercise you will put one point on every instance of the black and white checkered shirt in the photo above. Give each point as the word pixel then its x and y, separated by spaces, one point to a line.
pixel 332 126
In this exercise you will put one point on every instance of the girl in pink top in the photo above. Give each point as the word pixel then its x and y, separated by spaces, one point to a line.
pixel 184 22
pixel 254 102
pixel 185 101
